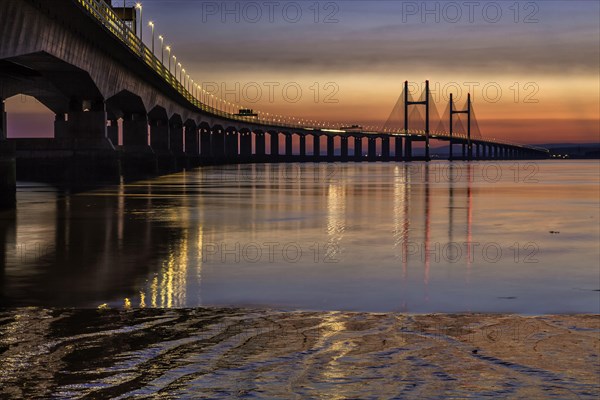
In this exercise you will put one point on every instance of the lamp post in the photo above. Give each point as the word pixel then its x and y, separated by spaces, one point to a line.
pixel 139 7
pixel 169 50
pixel 151 24
pixel 182 75
pixel 162 49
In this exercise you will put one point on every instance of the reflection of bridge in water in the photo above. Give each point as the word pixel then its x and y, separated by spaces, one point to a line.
pixel 111 244
pixel 92 71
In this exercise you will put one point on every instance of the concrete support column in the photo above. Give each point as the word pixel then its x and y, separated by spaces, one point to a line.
pixel 159 141
pixel 138 158
pixel 274 145
pixel 358 148
pixel 217 145
pixel 477 151
pixel 385 148
pixel 176 138
pixel 79 153
pixel 260 145
pixel 408 148
pixel 191 140
pixel 231 146
pixel 372 149
pixel 398 148
pixel 205 147
pixel 464 151
pixel 8 175
pixel 112 131
pixel 303 147
pixel 3 132
pixel 159 135
pixel 135 130
pixel 316 147
pixel 289 151
pixel 245 146
pixel 344 148
pixel 90 124
pixel 330 148
pixel 60 127
pixel 192 147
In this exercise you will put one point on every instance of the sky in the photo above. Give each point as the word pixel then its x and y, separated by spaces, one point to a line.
pixel 532 67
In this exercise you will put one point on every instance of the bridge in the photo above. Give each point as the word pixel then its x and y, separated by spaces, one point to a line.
pixel 89 67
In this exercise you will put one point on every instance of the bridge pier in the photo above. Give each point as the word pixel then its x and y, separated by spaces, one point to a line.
pixel 372 149
pixel 477 151
pixel 79 153
pixel 407 148
pixel 289 149
pixel 245 146
pixel 205 147
pixel 302 148
pixel 159 141
pixel 274 146
pixel 112 131
pixel 138 159
pixel 330 148
pixel 192 151
pixel 176 141
pixel 316 147
pixel 344 148
pixel 8 175
pixel 398 148
pixel 217 145
pixel 231 146
pixel 385 148
pixel 260 146
pixel 358 148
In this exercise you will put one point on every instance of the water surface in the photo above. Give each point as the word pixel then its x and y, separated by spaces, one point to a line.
pixel 409 237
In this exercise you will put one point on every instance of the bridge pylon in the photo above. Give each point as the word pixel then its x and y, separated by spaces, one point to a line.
pixel 425 103
pixel 468 112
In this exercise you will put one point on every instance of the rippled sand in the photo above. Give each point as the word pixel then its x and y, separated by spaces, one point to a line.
pixel 233 353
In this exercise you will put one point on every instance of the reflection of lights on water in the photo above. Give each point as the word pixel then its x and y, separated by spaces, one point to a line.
pixel 334 370
pixel 336 218
pixel 168 287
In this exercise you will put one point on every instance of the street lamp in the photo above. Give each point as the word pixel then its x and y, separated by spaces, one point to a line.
pixel 162 49
pixel 151 24
pixel 180 71
pixel 139 7
pixel 182 76
pixel 169 50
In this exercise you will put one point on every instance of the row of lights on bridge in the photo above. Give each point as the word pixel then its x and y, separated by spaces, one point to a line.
pixel 210 99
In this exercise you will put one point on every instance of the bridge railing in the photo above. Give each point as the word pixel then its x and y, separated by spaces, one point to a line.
pixel 104 14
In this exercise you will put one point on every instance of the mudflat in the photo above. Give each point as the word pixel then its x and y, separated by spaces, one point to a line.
pixel 224 353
